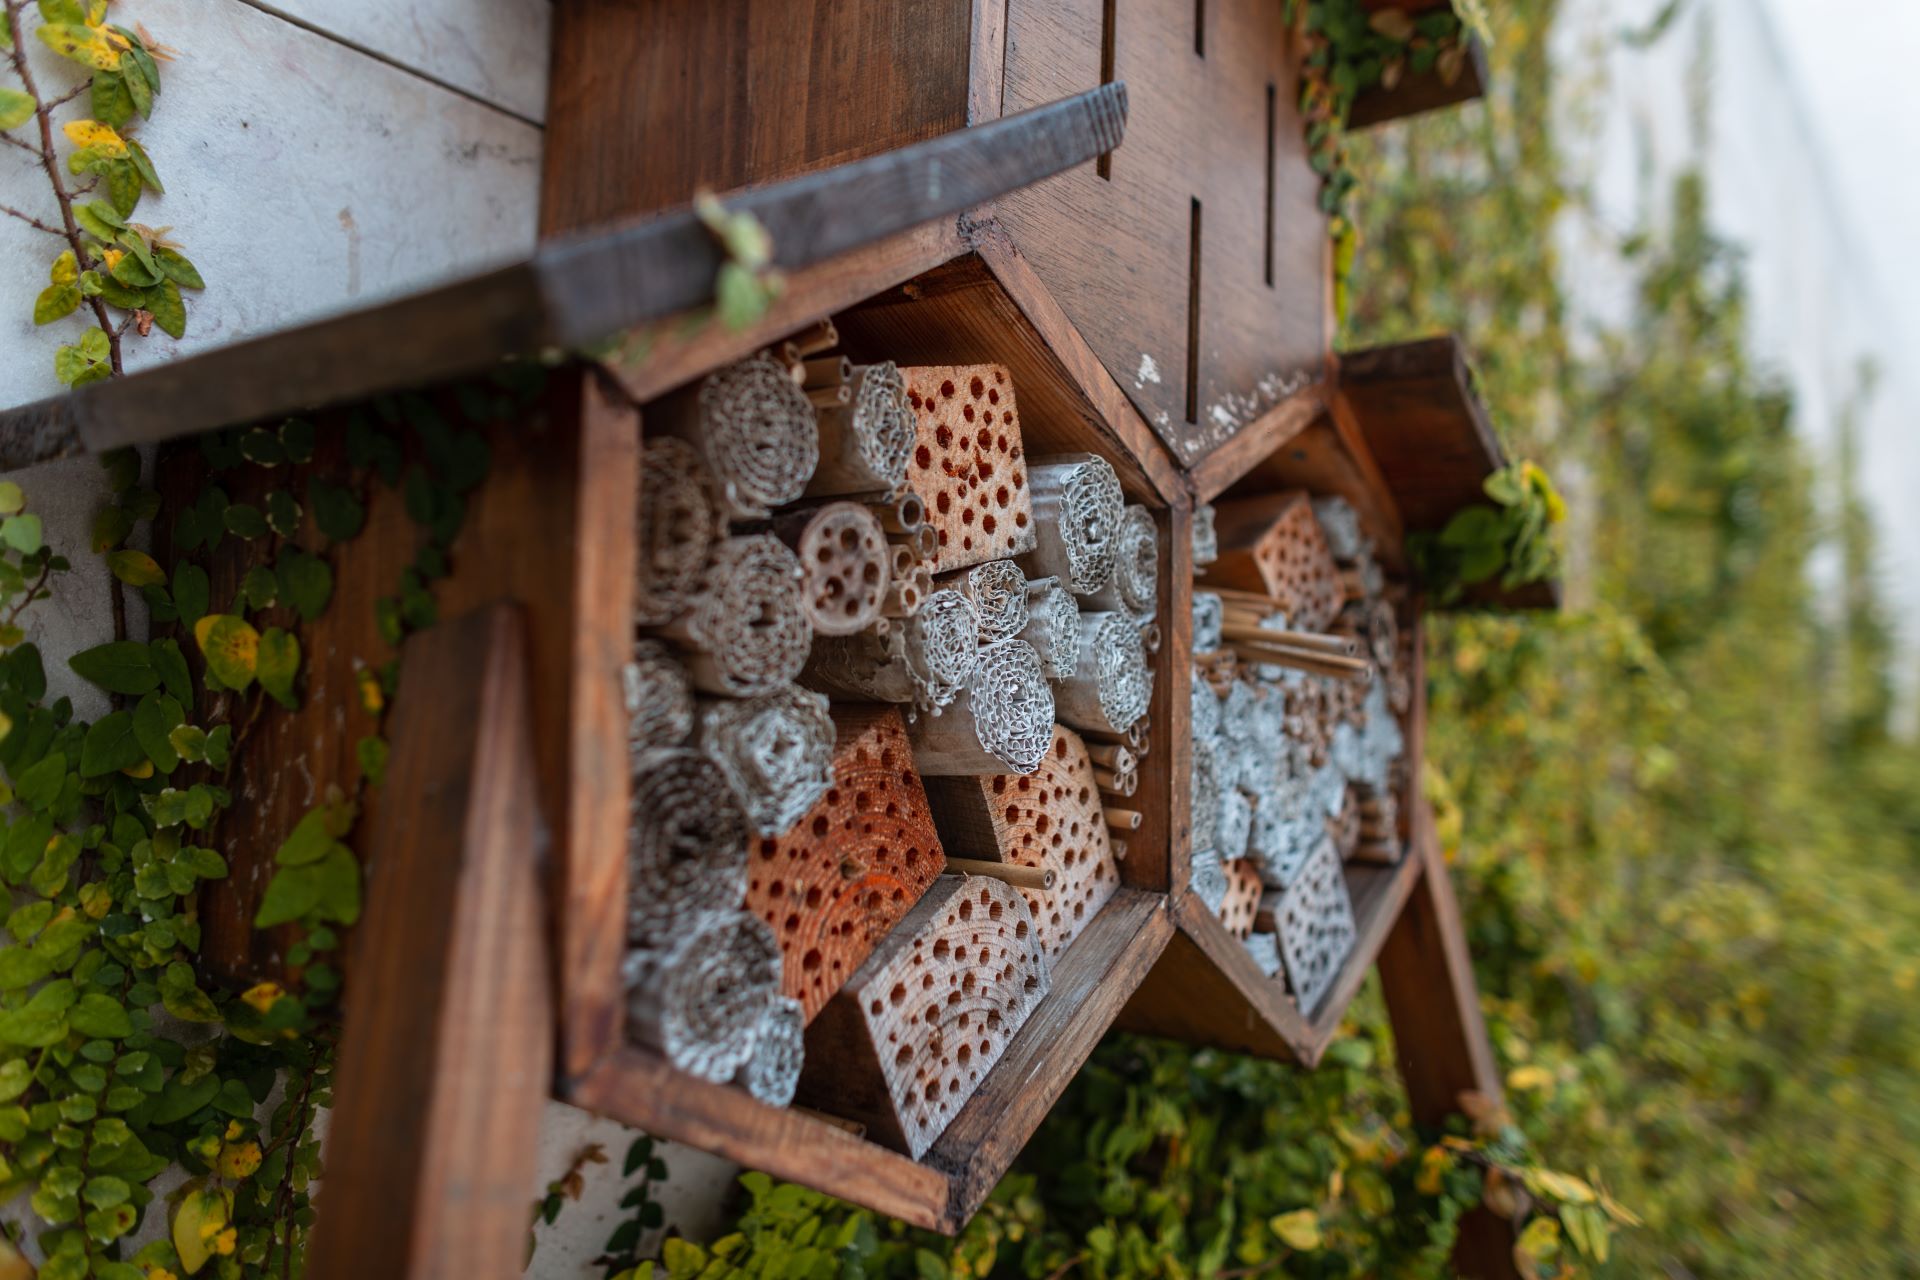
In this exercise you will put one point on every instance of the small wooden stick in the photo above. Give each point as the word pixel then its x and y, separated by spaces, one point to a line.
pixel 828 372
pixel 853 1127
pixel 1011 872
pixel 816 337
pixel 1119 848
pixel 1335 646
pixel 830 397
pixel 1124 819
pixel 1319 664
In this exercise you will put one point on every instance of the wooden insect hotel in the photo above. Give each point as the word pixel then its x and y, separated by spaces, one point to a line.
pixel 1007 635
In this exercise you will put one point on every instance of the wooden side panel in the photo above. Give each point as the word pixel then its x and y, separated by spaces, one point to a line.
pixel 446 1051
pixel 550 527
pixel 651 102
pixel 1198 280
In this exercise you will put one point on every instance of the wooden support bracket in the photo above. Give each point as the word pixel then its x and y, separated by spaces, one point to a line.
pixel 447 1051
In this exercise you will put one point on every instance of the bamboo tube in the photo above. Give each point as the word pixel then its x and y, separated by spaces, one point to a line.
pixel 1119 848
pixel 1311 641
pixel 1150 637
pixel 1006 872
pixel 819 336
pixel 826 372
pixel 1319 664
pixel 904 514
pixel 830 397
pixel 1113 755
pixel 1123 782
pixel 907 593
pixel 1124 819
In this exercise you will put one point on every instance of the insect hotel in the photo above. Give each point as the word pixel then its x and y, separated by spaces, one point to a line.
pixel 820 730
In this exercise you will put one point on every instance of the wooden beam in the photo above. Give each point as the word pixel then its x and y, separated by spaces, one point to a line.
pixel 447 1048
pixel 570 294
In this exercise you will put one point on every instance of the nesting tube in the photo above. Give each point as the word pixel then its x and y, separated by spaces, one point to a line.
pixel 701 1001
pixel 845 565
pixel 1111 684
pixel 1209 619
pixel 1206 540
pixel 1077 509
pixel 1002 722
pixel 998 591
pixel 755 429
pixel 866 443
pixel 686 843
pixel 772 1071
pixel 658 697
pixel 746 629
pixel 680 518
pixel 943 646
pixel 776 750
pixel 1053 627
pixel 1134 586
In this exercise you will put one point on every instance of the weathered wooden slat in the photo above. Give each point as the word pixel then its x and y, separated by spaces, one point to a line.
pixel 571 293
pixel 447 1046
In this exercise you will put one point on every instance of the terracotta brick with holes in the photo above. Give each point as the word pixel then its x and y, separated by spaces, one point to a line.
pixel 841 877
pixel 913 1033
pixel 1242 902
pixel 1050 818
pixel 1273 544
pixel 968 464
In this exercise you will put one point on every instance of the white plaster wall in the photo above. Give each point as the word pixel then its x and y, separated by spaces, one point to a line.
pixel 315 158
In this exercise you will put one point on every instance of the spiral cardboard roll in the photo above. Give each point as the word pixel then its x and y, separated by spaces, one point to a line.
pixel 942 646
pixel 680 518
pixel 1207 877
pixel 1053 627
pixel 1205 793
pixel 1209 621
pixel 776 750
pixel 917 1029
pixel 772 1071
pixel 686 844
pixel 1112 683
pixel 658 696
pixel 755 429
pixel 1134 587
pixel 1002 721
pixel 865 445
pixel 998 592
pixel 1077 509
pixel 1206 542
pixel 834 883
pixel 701 998
pixel 1341 525
pixel 745 631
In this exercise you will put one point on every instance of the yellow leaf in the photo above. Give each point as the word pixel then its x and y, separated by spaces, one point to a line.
pixel 1433 1168
pixel 263 995
pixel 100 137
pixel 1563 1187
pixel 142 770
pixel 239 1160
pixel 1299 1229
pixel 1522 1079
pixel 12 1265
pixel 370 696
pixel 196 1222
pixel 66 269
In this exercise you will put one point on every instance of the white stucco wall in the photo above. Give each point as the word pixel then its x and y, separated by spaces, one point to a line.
pixel 317 154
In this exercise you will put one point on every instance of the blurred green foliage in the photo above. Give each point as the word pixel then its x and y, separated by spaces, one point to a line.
pixel 1684 839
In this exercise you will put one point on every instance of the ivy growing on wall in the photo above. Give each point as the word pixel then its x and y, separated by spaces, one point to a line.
pixel 124 275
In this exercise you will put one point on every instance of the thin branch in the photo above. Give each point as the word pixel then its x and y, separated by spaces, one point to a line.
pixel 33 222
pixel 71 94
pixel 49 161
pixel 27 147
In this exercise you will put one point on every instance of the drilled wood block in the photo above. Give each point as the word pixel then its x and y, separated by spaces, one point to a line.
pixel 1272 544
pixel 969 465
pixel 841 877
pixel 1050 818
pixel 1315 923
pixel 1243 897
pixel 914 1032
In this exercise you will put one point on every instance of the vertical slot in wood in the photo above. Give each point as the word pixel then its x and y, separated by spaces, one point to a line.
pixel 1193 316
pixel 1272 118
pixel 1104 165
pixel 1200 27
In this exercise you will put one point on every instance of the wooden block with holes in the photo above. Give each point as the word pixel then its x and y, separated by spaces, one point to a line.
pixel 968 464
pixel 1271 543
pixel 835 883
pixel 1050 818
pixel 910 1037
pixel 1242 902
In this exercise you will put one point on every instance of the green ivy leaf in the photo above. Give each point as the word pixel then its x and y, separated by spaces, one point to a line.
pixel 192 592
pixel 245 521
pixel 110 528
pixel 22 533
pixel 278 666
pixel 168 310
pixel 171 665
pixel 283 513
pixel 110 746
pixel 306 583
pixel 56 302
pixel 231 646
pixel 101 1016
pixel 143 163
pixel 190 742
pixel 119 666
pixel 259 587
pixel 154 720
pixel 296 434
pixel 16 108
pixel 136 568
pixel 40 786
pixel 335 509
